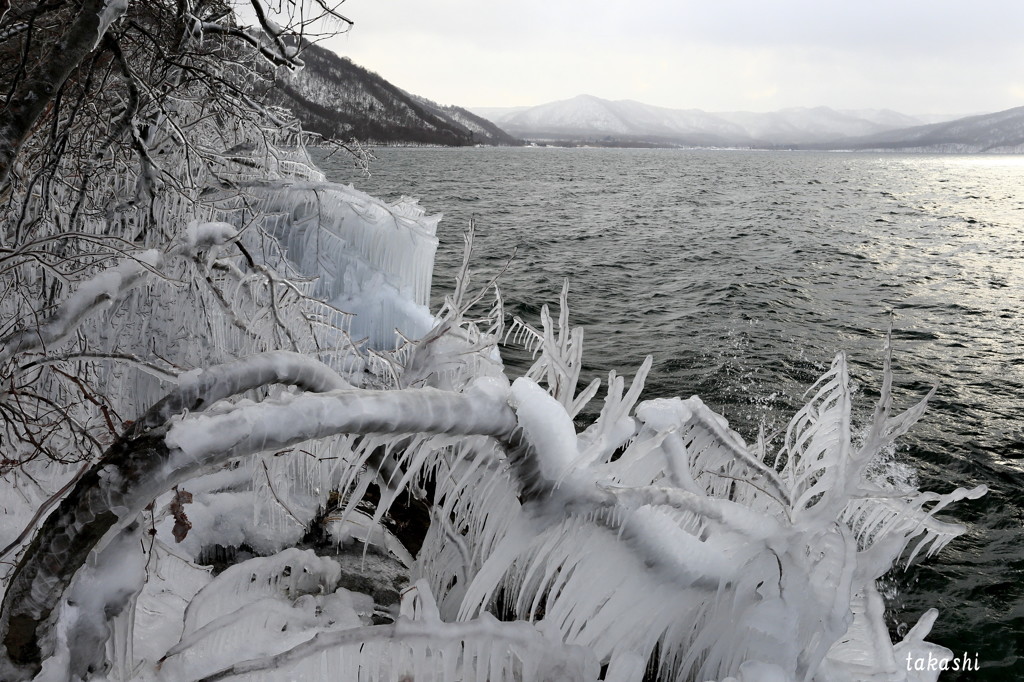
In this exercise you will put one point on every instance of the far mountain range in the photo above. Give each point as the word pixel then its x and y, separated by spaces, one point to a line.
pixel 339 99
pixel 594 120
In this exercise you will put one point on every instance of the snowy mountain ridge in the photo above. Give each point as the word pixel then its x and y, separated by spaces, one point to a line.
pixel 1001 132
pixel 590 118
pixel 339 99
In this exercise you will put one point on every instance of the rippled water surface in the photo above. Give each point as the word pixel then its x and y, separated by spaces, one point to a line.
pixel 743 273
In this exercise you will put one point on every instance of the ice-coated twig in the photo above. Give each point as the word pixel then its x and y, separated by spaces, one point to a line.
pixel 404 632
pixel 90 296
pixel 168 374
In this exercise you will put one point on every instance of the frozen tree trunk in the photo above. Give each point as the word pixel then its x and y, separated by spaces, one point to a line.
pixel 142 464
pixel 44 79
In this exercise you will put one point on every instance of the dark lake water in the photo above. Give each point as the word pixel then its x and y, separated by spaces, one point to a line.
pixel 743 273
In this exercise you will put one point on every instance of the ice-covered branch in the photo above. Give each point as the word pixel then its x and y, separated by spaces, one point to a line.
pixel 484 648
pixel 714 449
pixel 199 389
pixel 273 425
pixel 728 514
pixel 150 459
pixel 91 295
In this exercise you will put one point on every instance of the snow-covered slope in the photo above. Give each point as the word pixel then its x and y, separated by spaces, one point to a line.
pixel 894 119
pixel 337 98
pixel 796 125
pixel 1001 132
pixel 586 117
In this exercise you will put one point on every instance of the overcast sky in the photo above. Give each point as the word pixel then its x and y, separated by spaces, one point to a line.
pixel 914 56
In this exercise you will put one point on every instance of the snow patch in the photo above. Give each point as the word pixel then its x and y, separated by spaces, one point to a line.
pixel 204 235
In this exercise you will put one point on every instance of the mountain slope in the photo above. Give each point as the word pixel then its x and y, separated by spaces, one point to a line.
pixel 586 117
pixel 336 98
pixel 1001 132
pixel 591 118
pixel 800 124
pixel 483 130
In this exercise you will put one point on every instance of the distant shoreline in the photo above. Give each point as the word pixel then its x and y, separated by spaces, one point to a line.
pixel 569 144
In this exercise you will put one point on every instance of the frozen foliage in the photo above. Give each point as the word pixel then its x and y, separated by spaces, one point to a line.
pixel 767 553
pixel 368 258
pixel 735 537
pixel 770 554
pixel 237 445
pixel 419 645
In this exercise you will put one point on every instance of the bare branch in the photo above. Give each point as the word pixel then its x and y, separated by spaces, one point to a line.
pixel 27 104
